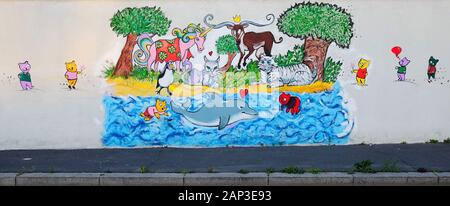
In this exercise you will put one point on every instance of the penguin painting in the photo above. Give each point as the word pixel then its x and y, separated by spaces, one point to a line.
pixel 165 78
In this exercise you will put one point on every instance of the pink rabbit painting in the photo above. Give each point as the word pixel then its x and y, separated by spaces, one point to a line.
pixel 25 76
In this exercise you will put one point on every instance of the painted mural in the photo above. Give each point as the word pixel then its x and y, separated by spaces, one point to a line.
pixel 241 93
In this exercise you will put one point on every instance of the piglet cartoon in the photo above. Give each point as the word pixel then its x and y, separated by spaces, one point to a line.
pixel 25 76
pixel 401 70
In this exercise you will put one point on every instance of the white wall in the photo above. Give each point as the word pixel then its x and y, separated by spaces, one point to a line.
pixel 49 33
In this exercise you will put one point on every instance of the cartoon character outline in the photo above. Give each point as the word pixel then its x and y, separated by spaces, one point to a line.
pixel 401 69
pixel 71 74
pixel 176 50
pixel 25 76
pixel 159 109
pixel 431 71
pixel 361 72
pixel 165 78
pixel 289 103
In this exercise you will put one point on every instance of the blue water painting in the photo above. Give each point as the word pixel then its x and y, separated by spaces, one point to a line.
pixel 323 119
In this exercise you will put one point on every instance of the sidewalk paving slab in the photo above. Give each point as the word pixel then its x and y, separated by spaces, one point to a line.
pixel 58 179
pixel 8 179
pixel 329 178
pixel 225 179
pixel 138 179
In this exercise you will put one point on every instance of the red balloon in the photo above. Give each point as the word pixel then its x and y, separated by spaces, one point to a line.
pixel 396 50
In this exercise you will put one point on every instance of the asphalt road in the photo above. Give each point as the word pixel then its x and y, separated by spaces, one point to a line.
pixel 408 157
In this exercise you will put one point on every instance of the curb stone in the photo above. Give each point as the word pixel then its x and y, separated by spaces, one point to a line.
pixel 329 178
pixel 55 179
pixel 8 179
pixel 444 178
pixel 226 179
pixel 137 179
pixel 223 179
pixel 429 178
pixel 380 178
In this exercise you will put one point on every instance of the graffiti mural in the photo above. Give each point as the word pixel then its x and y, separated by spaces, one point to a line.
pixel 247 41
pixel 290 98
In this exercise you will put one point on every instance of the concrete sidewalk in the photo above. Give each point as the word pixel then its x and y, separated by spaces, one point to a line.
pixel 221 179
pixel 408 158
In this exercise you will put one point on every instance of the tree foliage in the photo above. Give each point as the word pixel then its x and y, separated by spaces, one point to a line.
pixel 319 20
pixel 226 44
pixel 140 20
pixel 292 57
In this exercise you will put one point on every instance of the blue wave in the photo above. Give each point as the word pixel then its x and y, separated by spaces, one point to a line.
pixel 323 120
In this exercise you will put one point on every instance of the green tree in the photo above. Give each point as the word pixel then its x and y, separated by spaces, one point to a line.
pixel 319 24
pixel 226 45
pixel 131 22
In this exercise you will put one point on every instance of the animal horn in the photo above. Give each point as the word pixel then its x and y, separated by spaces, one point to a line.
pixel 206 31
pixel 210 17
pixel 269 17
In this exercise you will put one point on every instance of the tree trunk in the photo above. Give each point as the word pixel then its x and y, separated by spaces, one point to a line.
pixel 230 60
pixel 315 54
pixel 124 65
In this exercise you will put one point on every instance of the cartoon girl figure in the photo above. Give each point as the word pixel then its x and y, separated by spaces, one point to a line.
pixel 401 70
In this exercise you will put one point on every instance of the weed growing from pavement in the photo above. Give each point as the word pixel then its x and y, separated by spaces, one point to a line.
pixel 269 170
pixel 390 166
pixel 293 170
pixel 243 171
pixel 314 170
pixel 143 169
pixel 433 141
pixel 364 166
pixel 403 142
pixel 185 171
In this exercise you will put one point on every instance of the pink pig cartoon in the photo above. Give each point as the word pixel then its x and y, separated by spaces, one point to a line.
pixel 25 76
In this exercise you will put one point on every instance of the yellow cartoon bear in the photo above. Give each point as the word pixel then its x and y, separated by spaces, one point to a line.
pixel 72 74
pixel 361 73
pixel 157 110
